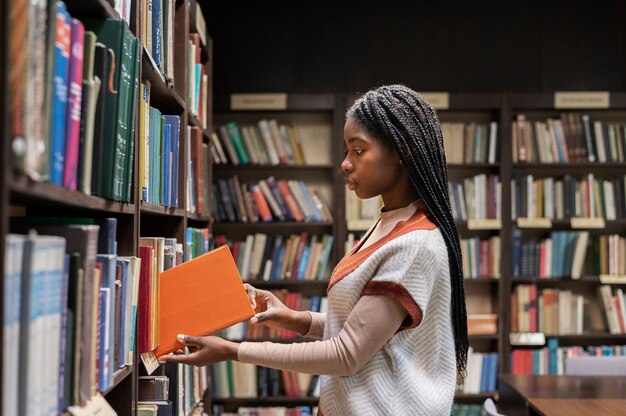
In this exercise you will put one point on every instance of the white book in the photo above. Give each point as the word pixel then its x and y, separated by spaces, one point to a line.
pixel 599 134
pixel 266 134
pixel 258 249
pixel 247 255
pixel 493 141
pixel 271 200
pixel 250 145
pixel 580 251
pixel 11 308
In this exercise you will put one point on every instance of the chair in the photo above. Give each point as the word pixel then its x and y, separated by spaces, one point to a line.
pixel 490 408
pixel 595 366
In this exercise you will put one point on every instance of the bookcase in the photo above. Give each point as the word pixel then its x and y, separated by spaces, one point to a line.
pixel 169 93
pixel 316 124
pixel 566 198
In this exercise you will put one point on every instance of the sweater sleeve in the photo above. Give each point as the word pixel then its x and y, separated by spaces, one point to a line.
pixel 316 330
pixel 408 273
pixel 372 322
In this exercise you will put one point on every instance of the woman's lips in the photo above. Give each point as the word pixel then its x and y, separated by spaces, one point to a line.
pixel 350 184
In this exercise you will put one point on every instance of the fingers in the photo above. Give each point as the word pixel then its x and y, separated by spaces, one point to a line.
pixel 260 317
pixel 179 358
pixel 251 292
pixel 189 340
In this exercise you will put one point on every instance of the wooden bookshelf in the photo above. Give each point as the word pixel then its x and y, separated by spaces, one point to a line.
pixel 539 107
pixel 21 194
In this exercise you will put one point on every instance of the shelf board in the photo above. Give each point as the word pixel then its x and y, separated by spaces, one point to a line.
pixel 280 171
pixel 25 190
pixel 480 280
pixel 560 281
pixel 295 102
pixel 147 208
pixel 91 8
pixel 162 93
pixel 471 167
pixel 198 217
pixel 555 169
pixel 587 338
pixel 521 102
pixel 271 227
pixel 483 337
pixel 119 376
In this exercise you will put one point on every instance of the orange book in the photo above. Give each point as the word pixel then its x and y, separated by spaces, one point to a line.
pixel 200 297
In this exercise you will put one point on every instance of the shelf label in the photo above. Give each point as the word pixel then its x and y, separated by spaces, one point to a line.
pixel 437 100
pixel 588 99
pixel 484 224
pixel 534 222
pixel 586 223
pixel 527 338
pixel 258 101
pixel 97 405
pixel 608 279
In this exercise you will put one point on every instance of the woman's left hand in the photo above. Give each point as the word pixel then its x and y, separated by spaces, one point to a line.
pixel 203 351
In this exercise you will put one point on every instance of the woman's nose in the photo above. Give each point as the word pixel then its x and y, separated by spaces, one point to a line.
pixel 346 166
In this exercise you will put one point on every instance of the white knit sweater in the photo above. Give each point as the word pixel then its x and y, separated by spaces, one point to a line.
pixel 414 373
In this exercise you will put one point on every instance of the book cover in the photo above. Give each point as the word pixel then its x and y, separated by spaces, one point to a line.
pixel 199 297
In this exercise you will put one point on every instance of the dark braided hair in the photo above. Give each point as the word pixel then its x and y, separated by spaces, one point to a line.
pixel 401 118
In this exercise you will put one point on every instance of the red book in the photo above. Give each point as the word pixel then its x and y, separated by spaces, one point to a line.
pixel 261 204
pixel 74 95
pixel 143 307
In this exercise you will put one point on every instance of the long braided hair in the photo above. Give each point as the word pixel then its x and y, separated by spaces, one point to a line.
pixel 401 118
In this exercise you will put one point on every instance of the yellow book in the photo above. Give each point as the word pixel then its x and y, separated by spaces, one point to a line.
pixel 144 151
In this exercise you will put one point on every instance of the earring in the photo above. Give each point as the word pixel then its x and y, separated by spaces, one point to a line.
pixel 400 162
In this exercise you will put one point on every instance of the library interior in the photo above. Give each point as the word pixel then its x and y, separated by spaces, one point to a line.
pixel 183 167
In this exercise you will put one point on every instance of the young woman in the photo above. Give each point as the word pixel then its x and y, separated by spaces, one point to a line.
pixel 395 336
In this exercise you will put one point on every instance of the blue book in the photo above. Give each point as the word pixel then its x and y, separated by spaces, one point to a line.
pixel 316 214
pixel 174 121
pixel 314 305
pixel 62 48
pixel 105 341
pixel 324 259
pixel 516 253
pixel 157 22
pixel 107 235
pixel 109 274
pixel 303 263
pixel 484 373
pixel 493 372
pixel 275 270
pixel 167 167
pixel 553 345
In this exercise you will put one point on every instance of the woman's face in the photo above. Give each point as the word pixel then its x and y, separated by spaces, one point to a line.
pixel 371 168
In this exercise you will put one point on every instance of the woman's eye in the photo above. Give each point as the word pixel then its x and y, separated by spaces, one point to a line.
pixel 358 152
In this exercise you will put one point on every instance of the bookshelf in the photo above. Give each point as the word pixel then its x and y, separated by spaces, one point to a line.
pixel 21 195
pixel 317 119
pixel 544 108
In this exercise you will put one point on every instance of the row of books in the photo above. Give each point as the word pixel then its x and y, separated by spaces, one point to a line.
pixel 198 171
pixel 568 197
pixel 561 254
pixel 614 308
pixel 477 197
pixel 268 200
pixel 59 104
pixel 266 143
pixel 572 137
pixel 470 142
pixel 568 253
pixel 233 379
pixel 481 257
pixel 552 359
pixel 554 312
pixel 482 373
pixel 66 289
pixel 277 257
pixel 482 323
pixel 157 33
pixel 197 81
pixel 159 149
pixel 293 300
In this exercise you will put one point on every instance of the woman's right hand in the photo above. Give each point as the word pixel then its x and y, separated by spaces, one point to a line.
pixel 272 312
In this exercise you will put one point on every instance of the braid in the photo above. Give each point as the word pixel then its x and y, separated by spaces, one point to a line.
pixel 402 118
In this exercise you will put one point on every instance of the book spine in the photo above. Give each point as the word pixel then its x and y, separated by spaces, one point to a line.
pixel 74 97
